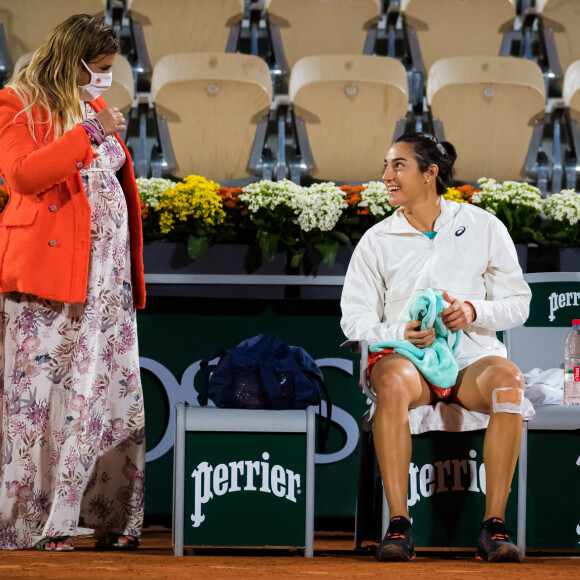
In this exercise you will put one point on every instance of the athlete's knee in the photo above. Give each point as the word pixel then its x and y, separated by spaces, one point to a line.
pixel 393 383
pixel 505 388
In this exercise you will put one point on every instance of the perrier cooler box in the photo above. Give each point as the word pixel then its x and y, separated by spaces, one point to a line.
pixel 243 478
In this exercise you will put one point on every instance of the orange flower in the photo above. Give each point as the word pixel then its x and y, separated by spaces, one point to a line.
pixel 353 199
pixel 467 192
pixel 353 194
pixel 363 211
pixel 144 210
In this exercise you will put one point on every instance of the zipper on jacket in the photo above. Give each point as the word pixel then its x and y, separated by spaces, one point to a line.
pixel 428 264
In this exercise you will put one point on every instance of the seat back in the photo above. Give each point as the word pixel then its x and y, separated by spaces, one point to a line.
pixel 540 341
pixel 122 91
pixel 314 27
pixel 571 89
pixel 171 26
pixel 213 103
pixel 563 17
pixel 447 28
pixel 488 107
pixel 28 22
pixel 350 105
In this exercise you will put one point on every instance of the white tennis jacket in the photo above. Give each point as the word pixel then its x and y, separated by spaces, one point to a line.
pixel 472 257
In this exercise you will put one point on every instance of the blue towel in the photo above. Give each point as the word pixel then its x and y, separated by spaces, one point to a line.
pixel 436 362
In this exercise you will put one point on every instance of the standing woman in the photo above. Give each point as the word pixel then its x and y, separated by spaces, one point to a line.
pixel 466 255
pixel 71 276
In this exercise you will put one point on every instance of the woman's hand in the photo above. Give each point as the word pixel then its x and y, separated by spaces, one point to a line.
pixel 458 314
pixel 112 120
pixel 419 338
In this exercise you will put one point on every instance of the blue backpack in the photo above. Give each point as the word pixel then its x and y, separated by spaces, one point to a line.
pixel 263 372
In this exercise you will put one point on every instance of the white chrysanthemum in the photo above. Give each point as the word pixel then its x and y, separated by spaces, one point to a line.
pixel 319 206
pixel 563 206
pixel 269 194
pixel 152 188
pixel 376 198
pixel 514 192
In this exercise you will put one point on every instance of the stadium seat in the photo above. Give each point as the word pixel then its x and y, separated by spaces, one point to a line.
pixel 122 91
pixel 448 28
pixel 211 105
pixel 171 26
pixel 571 97
pixel 562 19
pixel 315 27
pixel 27 22
pixel 20 62
pixel 350 106
pixel 490 108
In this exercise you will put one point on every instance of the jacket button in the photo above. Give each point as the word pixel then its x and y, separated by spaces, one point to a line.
pixel 52 243
pixel 52 208
pixel 79 165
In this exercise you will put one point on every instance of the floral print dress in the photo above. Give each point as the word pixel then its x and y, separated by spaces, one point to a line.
pixel 72 418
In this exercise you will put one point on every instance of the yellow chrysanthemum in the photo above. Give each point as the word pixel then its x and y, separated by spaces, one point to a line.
pixel 193 199
pixel 453 195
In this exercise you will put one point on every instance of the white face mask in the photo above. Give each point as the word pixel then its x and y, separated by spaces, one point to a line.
pixel 98 84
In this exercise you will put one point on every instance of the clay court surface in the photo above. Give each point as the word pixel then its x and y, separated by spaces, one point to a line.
pixel 334 557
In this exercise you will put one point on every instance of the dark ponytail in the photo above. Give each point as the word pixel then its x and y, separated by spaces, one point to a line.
pixel 428 151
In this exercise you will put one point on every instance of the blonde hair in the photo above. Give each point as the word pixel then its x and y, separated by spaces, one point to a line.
pixel 49 81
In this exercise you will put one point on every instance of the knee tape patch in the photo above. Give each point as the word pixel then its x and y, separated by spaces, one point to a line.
pixel 508 400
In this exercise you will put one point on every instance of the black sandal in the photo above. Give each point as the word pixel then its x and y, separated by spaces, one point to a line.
pixel 112 541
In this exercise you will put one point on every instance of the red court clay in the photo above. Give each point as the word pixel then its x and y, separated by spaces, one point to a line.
pixel 334 557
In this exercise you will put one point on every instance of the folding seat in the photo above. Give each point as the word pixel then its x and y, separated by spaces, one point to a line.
pixel 171 26
pixel 122 91
pixel 448 28
pixel 571 97
pixel 490 108
pixel 27 22
pixel 211 107
pixel 316 27
pixel 349 106
pixel 562 19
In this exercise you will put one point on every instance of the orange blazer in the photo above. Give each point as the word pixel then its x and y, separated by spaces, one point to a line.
pixel 45 229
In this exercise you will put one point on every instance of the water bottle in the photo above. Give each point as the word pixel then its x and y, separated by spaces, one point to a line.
pixel 572 365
